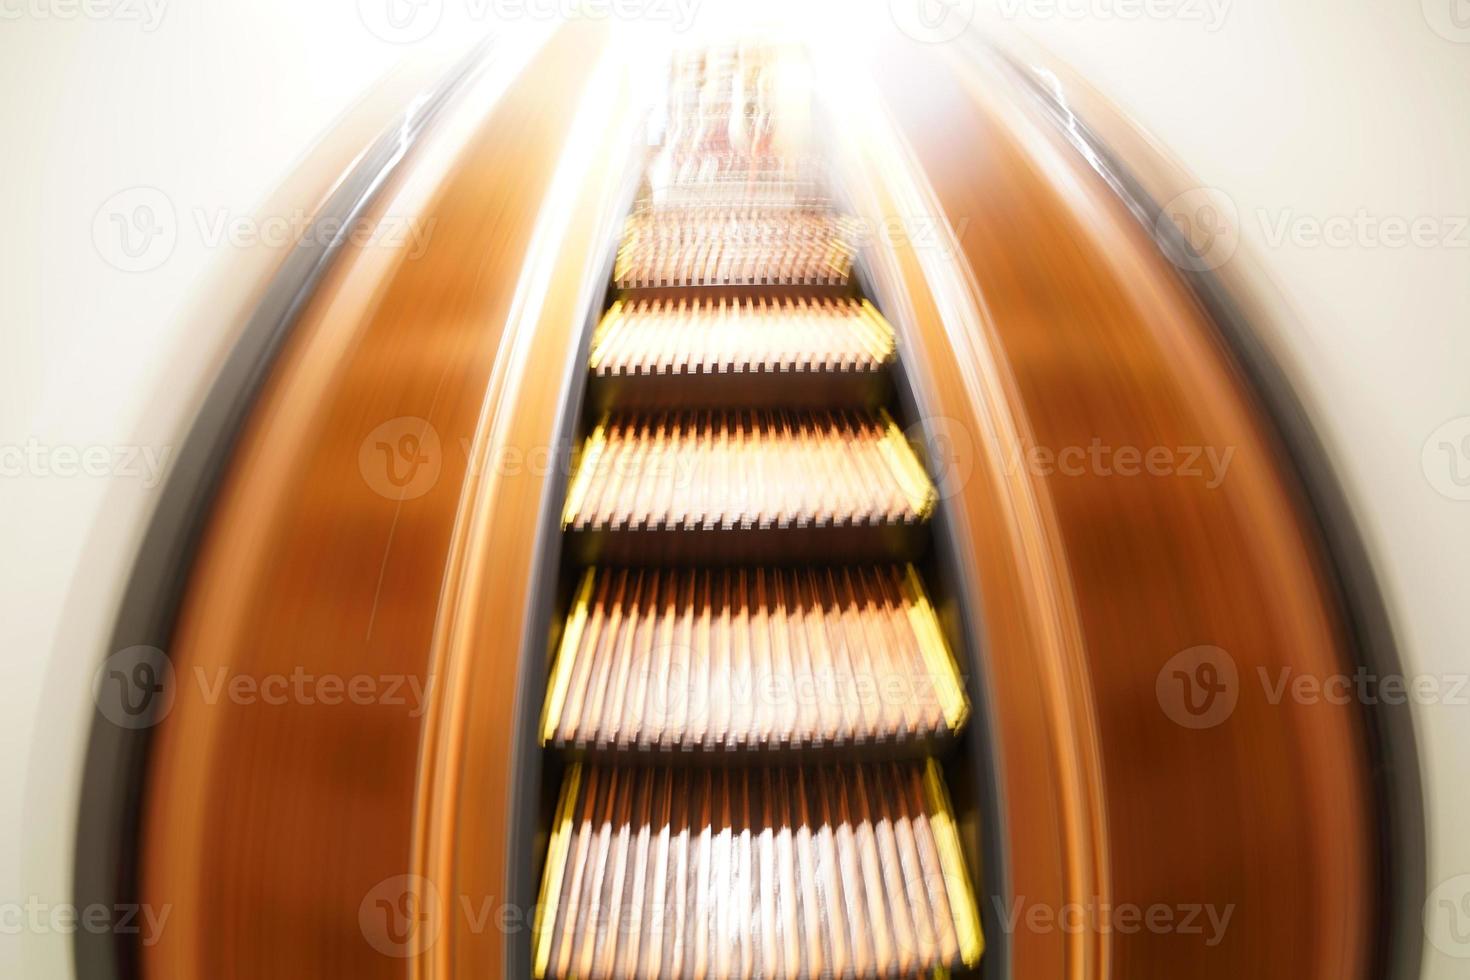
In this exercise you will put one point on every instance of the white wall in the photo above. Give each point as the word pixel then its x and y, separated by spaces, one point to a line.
pixel 1301 112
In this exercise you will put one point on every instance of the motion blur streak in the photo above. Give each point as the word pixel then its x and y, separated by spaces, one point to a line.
pixel 466 808
pixel 367 527
pixel 308 562
pixel 1095 338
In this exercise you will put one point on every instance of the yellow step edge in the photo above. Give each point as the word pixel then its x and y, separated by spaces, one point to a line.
pixel 623 261
pixel 937 656
pixel 870 333
pixel 956 879
pixel 610 321
pixel 885 339
pixel 833 260
pixel 911 476
pixel 586 467
pixel 556 859
pixel 561 671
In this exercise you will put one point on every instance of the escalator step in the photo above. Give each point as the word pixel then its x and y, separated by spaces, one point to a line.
pixel 741 245
pixel 751 682
pixel 815 871
pixel 754 658
pixel 746 469
pixel 703 179
pixel 741 352
pixel 743 336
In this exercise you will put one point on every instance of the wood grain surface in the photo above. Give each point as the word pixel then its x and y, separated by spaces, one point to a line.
pixel 279 823
pixel 1138 616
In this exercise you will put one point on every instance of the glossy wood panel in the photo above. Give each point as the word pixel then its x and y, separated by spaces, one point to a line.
pixel 471 797
pixel 1049 321
pixel 279 823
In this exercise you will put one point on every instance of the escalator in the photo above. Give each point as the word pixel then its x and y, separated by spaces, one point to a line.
pixel 752 693
pixel 753 620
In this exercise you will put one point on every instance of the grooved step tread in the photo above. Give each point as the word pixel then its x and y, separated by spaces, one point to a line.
pixel 747 469
pixel 816 871
pixel 728 246
pixel 751 658
pixel 704 336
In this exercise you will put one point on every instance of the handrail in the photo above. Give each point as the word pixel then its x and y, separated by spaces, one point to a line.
pixel 1041 317
pixel 1141 177
pixel 280 829
pixel 109 815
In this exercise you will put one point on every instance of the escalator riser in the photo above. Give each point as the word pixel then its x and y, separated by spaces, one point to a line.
pixel 703 337
pixel 749 246
pixel 811 871
pixel 755 469
pixel 759 658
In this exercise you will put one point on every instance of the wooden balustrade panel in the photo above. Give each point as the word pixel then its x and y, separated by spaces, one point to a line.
pixel 1193 577
pixel 280 811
